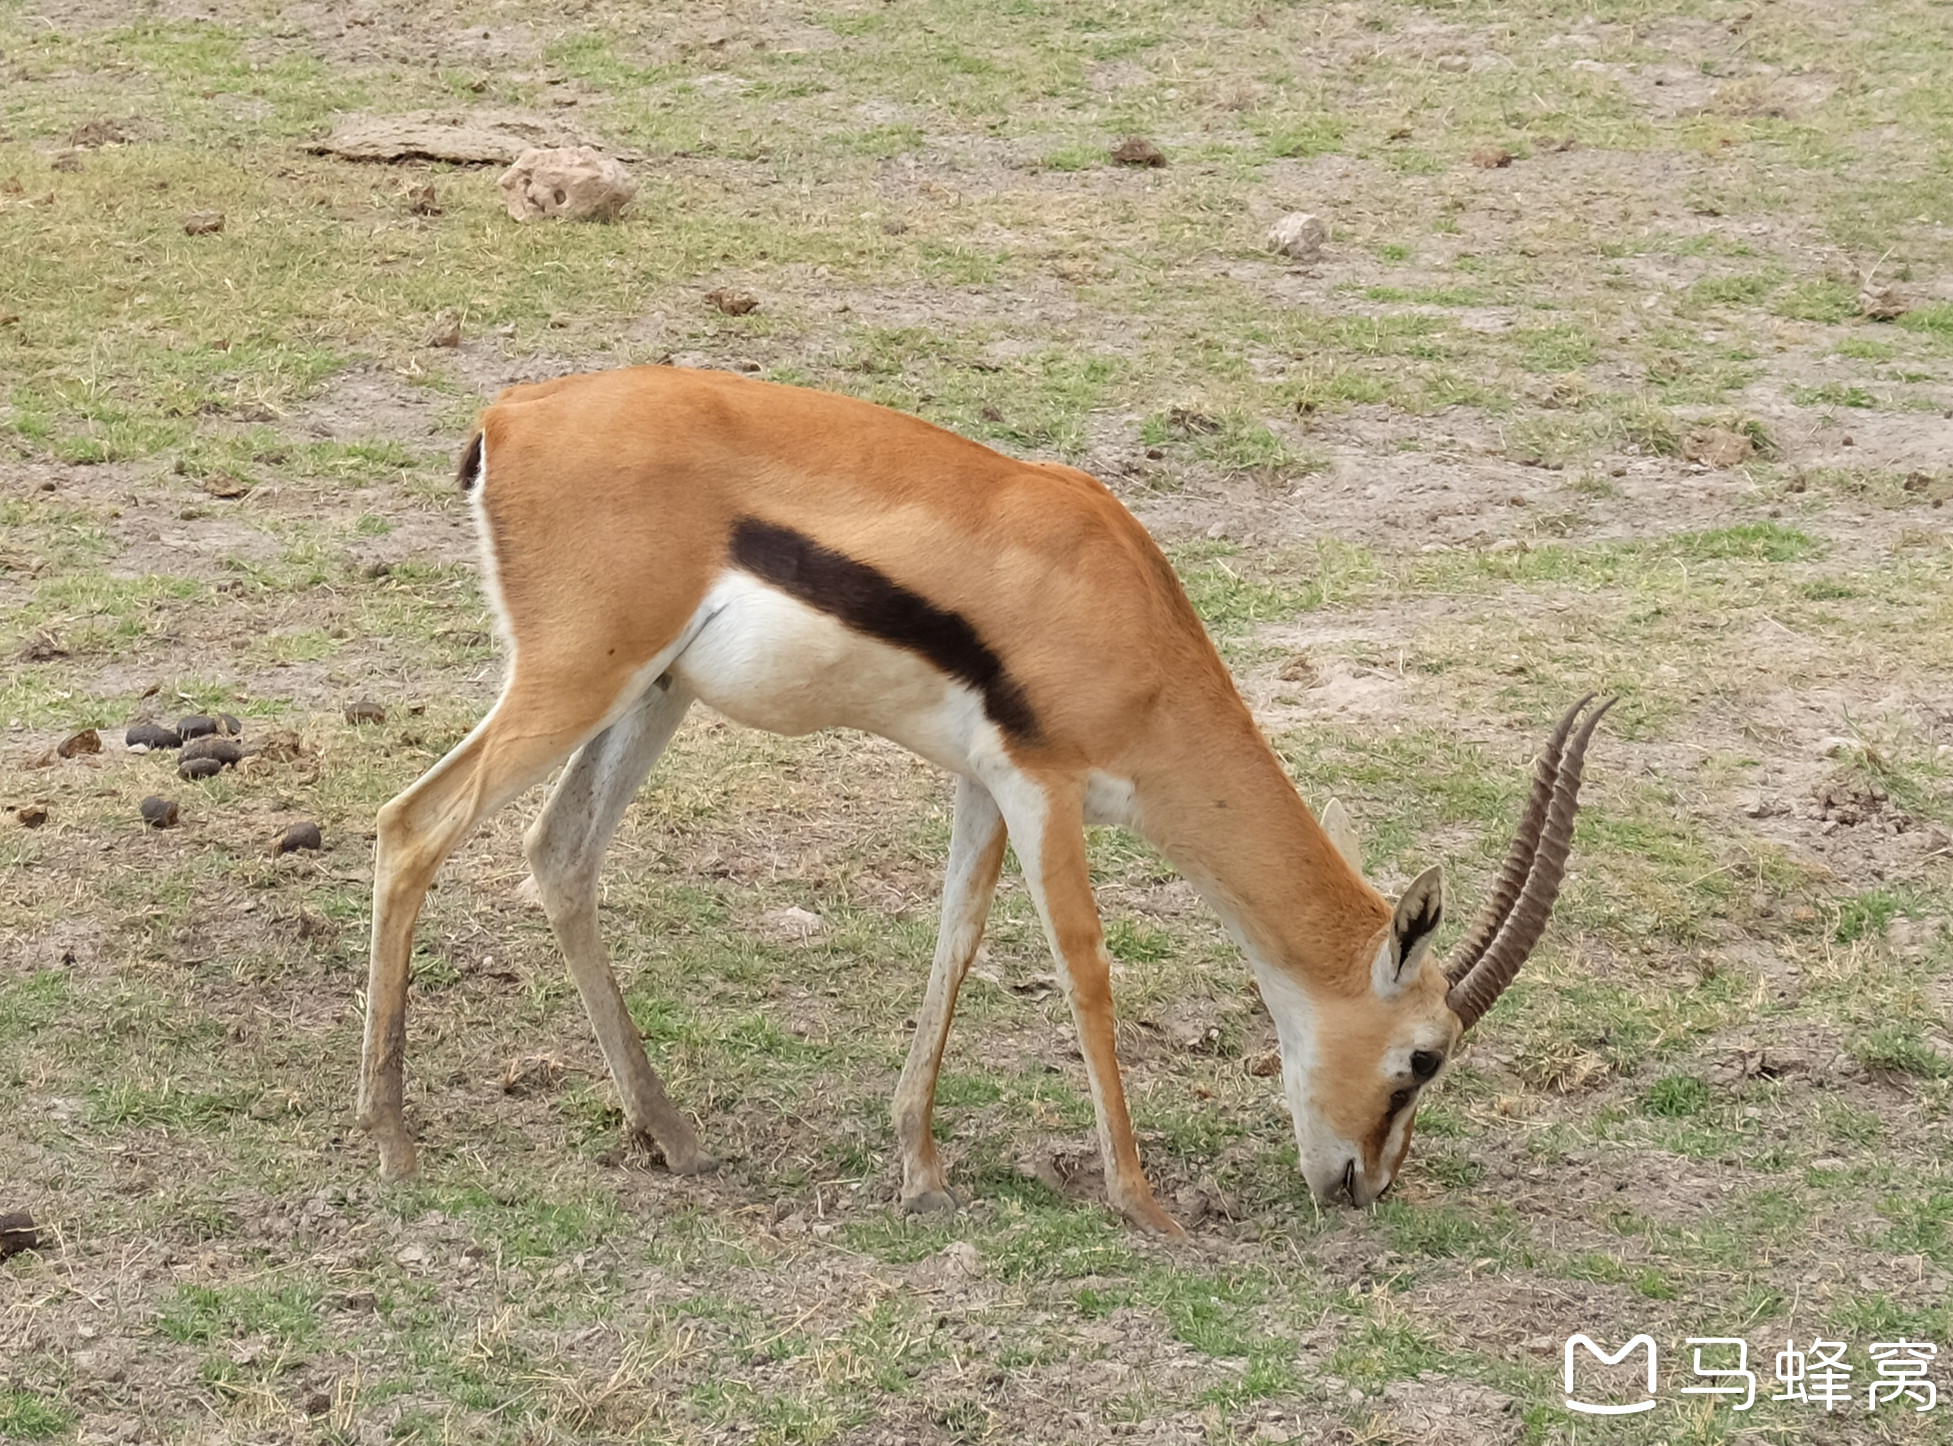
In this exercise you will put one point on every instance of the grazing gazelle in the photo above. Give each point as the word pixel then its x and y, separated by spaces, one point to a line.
pixel 801 561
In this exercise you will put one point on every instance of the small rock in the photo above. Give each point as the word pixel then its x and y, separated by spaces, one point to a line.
pixel 198 768
pixel 203 223
pixel 42 647
pixel 86 741
pixel 1299 235
pixel 31 815
pixel 793 922
pixel 1266 1066
pixel 732 301
pixel 226 485
pixel 159 812
pixel 569 183
pixel 1298 668
pixel 214 746
pixel 145 734
pixel 365 711
pixel 1721 447
pixel 17 1233
pixel 1834 746
pixel 1453 64
pixel 1882 303
pixel 1138 151
pixel 1491 158
pixel 446 332
pixel 299 836
pixel 410 1255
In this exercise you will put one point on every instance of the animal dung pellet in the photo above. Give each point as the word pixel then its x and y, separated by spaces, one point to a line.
pixel 215 746
pixel 159 812
pixel 31 815
pixel 299 836
pixel 17 1233
pixel 365 712
pixel 199 725
pixel 145 735
pixel 86 741
pixel 198 768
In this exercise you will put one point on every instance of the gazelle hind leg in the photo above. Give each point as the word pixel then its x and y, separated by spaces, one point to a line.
pixel 565 847
pixel 976 855
pixel 528 732
pixel 1047 827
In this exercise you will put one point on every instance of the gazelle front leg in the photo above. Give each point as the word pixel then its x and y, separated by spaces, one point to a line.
pixel 565 849
pixel 976 854
pixel 1047 827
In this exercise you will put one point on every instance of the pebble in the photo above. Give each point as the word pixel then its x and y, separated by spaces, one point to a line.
pixel 1138 151
pixel 1299 235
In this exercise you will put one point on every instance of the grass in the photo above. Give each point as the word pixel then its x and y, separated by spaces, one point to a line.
pixel 1421 492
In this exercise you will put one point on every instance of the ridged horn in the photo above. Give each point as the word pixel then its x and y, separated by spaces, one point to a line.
pixel 1519 857
pixel 1474 994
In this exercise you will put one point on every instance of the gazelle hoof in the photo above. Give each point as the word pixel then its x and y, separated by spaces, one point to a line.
pixel 398 1161
pixel 1151 1217
pixel 929 1202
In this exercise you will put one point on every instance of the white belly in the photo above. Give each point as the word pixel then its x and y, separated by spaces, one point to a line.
pixel 770 661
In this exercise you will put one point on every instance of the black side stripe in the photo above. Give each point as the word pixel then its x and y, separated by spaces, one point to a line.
pixel 469 472
pixel 869 602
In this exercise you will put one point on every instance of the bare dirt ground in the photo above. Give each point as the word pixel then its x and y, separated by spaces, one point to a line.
pixel 1614 413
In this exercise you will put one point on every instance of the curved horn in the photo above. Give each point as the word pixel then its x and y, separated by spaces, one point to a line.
pixel 1518 858
pixel 1473 995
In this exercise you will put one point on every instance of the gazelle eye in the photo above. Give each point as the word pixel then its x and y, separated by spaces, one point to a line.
pixel 1425 1063
pixel 1398 1100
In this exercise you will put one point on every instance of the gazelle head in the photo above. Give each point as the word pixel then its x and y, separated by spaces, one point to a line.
pixel 1355 1060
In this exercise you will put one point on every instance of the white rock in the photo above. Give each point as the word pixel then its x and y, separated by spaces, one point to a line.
pixel 570 183
pixel 793 922
pixel 1299 235
pixel 1834 747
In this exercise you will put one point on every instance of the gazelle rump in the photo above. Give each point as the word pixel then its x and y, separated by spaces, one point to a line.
pixel 799 561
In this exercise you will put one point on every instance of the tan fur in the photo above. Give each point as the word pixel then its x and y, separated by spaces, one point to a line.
pixel 609 501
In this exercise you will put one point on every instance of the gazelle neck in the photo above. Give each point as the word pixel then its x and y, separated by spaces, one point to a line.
pixel 1235 827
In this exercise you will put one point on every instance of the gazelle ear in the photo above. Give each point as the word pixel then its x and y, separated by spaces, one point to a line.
pixel 1341 829
pixel 1413 927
